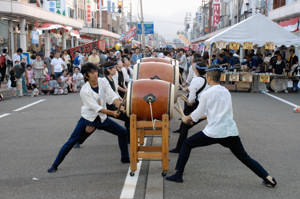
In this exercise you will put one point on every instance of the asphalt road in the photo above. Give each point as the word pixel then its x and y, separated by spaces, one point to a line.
pixel 31 138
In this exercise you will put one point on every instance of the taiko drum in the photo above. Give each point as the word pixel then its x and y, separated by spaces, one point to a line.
pixel 141 92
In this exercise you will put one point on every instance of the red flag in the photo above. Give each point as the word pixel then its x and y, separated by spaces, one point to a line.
pixel 131 33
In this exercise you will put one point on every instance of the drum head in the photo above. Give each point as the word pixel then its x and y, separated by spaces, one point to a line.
pixel 279 84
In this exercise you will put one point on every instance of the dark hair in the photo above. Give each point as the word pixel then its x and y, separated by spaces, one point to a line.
pixel 28 65
pixel 107 64
pixel 33 85
pixel 4 50
pixel 215 74
pixel 201 71
pixel 32 57
pixel 53 76
pixel 124 57
pixel 277 52
pixel 11 72
pixel 76 67
pixel 87 68
pixel 197 55
pixel 20 50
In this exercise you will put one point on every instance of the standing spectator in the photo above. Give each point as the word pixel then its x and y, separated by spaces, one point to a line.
pixel 94 58
pixel 17 56
pixel 67 59
pixel 279 69
pixel 293 60
pixel 110 55
pixel 51 55
pixel 78 79
pixel 38 66
pixel 60 87
pixel 4 60
pixel 13 84
pixel 102 57
pixel 267 62
pixel 182 63
pixel 136 56
pixel 76 62
pixel 19 71
pixel 32 59
pixel 30 76
pixel 147 52
pixel 57 65
pixel 47 61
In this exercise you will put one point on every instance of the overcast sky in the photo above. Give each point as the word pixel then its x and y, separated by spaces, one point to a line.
pixel 168 15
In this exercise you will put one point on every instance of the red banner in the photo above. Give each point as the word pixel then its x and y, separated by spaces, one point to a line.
pixel 100 44
pixel 216 13
pixel 131 33
pixel 89 12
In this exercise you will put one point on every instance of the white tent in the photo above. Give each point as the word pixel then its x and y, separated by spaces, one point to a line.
pixel 257 29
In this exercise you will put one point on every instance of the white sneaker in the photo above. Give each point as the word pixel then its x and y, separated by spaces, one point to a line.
pixel 286 91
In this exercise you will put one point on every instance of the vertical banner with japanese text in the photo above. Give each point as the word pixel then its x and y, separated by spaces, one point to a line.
pixel 216 13
pixel 88 11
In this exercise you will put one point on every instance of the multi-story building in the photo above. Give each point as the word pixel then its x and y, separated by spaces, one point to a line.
pixel 55 21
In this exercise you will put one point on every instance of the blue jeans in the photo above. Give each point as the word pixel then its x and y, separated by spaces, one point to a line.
pixel 233 143
pixel 79 133
pixel 57 74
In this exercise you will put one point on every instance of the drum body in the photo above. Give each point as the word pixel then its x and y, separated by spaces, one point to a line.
pixel 158 70
pixel 161 94
pixel 157 59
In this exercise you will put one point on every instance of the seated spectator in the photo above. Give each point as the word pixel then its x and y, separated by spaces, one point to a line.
pixel 77 79
pixel 45 88
pixel 35 91
pixel 69 82
pixel 52 83
pixel 64 76
pixel 60 87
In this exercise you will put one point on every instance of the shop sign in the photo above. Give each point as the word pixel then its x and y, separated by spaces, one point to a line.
pixel 89 11
pixel 220 44
pixel 247 78
pixel 264 78
pixel 234 46
pixel 270 46
pixel 248 45
pixel 216 13
pixel 234 78
pixel 87 48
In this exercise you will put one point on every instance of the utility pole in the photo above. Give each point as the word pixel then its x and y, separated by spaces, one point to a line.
pixel 143 28
pixel 100 13
pixel 130 14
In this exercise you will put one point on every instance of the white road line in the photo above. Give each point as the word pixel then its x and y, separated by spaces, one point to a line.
pixel 4 115
pixel 282 100
pixel 29 105
pixel 131 181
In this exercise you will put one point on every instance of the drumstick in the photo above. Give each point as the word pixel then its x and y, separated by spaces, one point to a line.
pixel 180 109
pixel 121 103
pixel 177 109
pixel 183 96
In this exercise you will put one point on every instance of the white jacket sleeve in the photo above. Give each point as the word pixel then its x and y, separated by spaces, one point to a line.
pixel 125 74
pixel 200 110
pixel 193 91
pixel 191 75
pixel 89 101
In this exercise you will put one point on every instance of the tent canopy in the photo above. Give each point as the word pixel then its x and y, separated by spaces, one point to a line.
pixel 257 29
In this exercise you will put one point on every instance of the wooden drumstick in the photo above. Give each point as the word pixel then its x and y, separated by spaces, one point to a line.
pixel 177 109
pixel 121 103
pixel 180 109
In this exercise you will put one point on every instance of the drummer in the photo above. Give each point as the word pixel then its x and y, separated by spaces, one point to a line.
pixel 197 87
pixel 121 74
pixel 110 72
pixel 94 94
pixel 215 104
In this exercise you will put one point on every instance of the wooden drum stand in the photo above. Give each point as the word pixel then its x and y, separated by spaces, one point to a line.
pixel 145 128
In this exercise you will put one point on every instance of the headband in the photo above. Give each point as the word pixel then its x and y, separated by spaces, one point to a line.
pixel 211 69
pixel 109 67
pixel 199 67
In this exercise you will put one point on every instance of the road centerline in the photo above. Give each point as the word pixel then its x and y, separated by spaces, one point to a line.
pixel 4 115
pixel 282 100
pixel 130 183
pixel 29 105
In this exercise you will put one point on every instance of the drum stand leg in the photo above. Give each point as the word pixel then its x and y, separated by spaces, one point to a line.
pixel 137 150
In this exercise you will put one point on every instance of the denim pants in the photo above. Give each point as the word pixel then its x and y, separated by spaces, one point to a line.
pixel 122 117
pixel 233 143
pixel 79 132
pixel 57 74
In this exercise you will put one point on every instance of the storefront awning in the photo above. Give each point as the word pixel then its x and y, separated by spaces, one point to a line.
pixel 102 32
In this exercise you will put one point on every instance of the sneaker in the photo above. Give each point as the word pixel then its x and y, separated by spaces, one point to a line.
pixel 125 160
pixel 53 169
pixel 286 91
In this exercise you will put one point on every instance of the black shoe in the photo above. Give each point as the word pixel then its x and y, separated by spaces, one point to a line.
pixel 267 183
pixel 174 150
pixel 125 160
pixel 77 146
pixel 53 169
pixel 176 131
pixel 177 177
